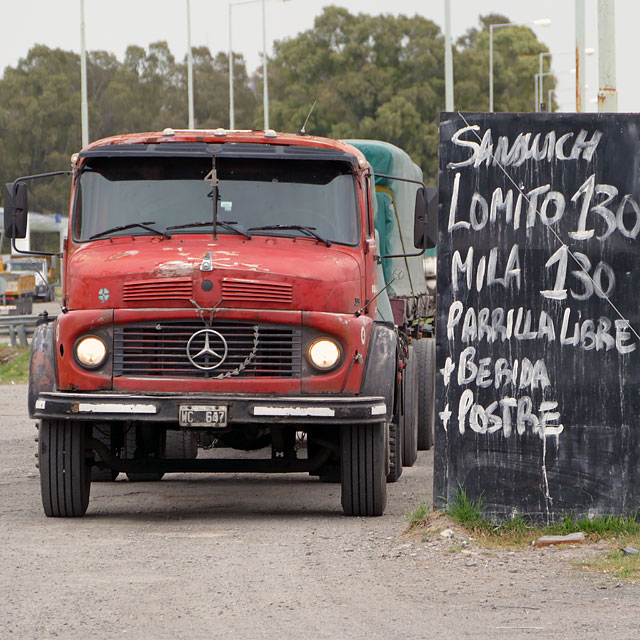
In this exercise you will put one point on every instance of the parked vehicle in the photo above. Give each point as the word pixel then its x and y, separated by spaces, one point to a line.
pixel 40 269
pixel 17 291
pixel 227 287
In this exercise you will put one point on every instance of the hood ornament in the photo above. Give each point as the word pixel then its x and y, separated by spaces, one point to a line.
pixel 207 262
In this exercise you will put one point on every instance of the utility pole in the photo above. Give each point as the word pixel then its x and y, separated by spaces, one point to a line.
pixel 581 64
pixel 448 57
pixel 84 108
pixel 607 93
pixel 190 68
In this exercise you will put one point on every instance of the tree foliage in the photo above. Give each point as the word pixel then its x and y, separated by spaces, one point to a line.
pixel 376 77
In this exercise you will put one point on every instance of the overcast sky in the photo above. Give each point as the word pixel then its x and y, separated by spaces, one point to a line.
pixel 114 24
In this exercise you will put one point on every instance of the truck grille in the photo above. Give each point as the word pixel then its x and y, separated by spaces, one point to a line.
pixel 154 290
pixel 234 289
pixel 150 349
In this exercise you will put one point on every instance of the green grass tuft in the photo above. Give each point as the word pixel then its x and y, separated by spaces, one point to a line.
pixel 469 512
pixel 14 365
pixel 418 516
pixel 603 526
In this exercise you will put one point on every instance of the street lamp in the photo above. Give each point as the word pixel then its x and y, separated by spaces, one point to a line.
pixel 542 22
pixel 265 91
pixel 539 77
pixel 539 87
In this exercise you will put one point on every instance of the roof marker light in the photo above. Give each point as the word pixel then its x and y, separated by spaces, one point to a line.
pixel 220 132
pixel 270 133
pixel 168 132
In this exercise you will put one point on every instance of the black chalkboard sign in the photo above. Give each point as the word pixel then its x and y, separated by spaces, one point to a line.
pixel 538 384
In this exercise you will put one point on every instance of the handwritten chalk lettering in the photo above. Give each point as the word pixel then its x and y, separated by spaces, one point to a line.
pixel 499 416
pixel 547 147
pixel 485 373
pixel 492 325
pixel 602 282
pixel 627 211
pixel 487 270
pixel 541 203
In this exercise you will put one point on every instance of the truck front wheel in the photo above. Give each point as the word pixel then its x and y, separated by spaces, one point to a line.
pixel 410 413
pixel 364 469
pixel 65 467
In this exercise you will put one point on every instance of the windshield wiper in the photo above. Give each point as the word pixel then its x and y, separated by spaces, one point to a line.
pixel 225 224
pixel 310 231
pixel 142 225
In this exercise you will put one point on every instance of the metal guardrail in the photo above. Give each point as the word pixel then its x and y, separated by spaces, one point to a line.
pixel 18 328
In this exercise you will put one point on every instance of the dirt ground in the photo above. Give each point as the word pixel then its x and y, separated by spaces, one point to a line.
pixel 242 556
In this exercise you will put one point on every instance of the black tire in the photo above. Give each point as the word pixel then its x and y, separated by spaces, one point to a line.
pixel 410 417
pixel 364 469
pixel 395 451
pixel 181 445
pixel 426 365
pixel 65 467
pixel 102 474
pixel 133 476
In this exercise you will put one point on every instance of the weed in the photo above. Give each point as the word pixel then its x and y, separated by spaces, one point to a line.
pixel 469 512
pixel 14 364
pixel 603 526
pixel 615 563
pixel 418 516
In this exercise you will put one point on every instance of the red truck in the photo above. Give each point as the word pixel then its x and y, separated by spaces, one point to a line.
pixel 220 288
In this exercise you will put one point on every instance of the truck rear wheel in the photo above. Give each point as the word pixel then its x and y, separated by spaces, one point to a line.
pixel 181 445
pixel 103 474
pixel 426 365
pixel 395 451
pixel 131 447
pixel 410 417
pixel 65 467
pixel 364 469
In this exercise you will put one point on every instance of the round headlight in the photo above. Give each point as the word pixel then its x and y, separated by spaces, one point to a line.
pixel 91 352
pixel 324 353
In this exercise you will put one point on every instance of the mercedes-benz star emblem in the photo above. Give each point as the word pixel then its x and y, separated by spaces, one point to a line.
pixel 207 357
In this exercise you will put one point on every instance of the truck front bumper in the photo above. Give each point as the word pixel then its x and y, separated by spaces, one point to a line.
pixel 241 409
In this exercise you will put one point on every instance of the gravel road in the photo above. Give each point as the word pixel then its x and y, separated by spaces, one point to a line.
pixel 197 556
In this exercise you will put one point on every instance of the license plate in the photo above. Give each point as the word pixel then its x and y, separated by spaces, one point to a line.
pixel 196 415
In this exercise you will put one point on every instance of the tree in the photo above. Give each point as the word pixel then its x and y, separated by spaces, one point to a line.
pixel 40 124
pixel 515 62
pixel 383 77
pixel 372 76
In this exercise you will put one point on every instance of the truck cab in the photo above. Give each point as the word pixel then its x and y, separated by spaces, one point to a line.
pixel 221 288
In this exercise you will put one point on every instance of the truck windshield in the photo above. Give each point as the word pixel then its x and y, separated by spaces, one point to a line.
pixel 278 195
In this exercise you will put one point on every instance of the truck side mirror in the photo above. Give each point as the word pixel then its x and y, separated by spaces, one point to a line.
pixel 16 207
pixel 432 217
pixel 425 219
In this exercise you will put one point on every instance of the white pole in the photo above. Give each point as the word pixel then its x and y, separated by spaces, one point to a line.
pixel 264 65
pixel 84 108
pixel 607 94
pixel 490 67
pixel 448 57
pixel 231 115
pixel 581 63
pixel 190 68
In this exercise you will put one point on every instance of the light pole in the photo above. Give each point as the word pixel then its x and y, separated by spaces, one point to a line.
pixel 448 57
pixel 539 87
pixel 84 109
pixel 189 68
pixel 542 22
pixel 539 77
pixel 265 91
